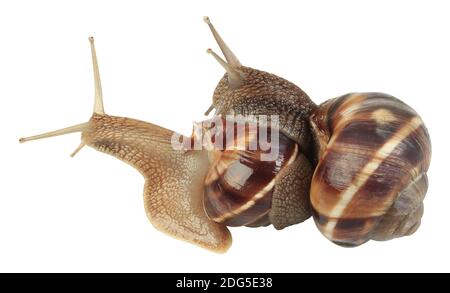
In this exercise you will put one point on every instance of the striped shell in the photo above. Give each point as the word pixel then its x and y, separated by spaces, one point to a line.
pixel 373 152
pixel 239 185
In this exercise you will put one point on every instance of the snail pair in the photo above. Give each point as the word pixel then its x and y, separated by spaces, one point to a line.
pixel 357 163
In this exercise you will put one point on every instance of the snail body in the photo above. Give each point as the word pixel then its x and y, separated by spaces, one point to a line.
pixel 370 181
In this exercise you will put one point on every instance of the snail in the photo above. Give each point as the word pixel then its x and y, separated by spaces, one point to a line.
pixel 373 154
pixel 277 191
pixel 192 194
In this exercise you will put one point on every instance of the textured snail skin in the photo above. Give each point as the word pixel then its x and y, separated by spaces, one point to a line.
pixel 263 93
pixel 373 154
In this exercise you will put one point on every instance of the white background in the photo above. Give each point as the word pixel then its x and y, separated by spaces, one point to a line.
pixel 86 214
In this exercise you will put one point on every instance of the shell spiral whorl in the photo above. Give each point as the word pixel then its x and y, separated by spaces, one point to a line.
pixel 240 183
pixel 373 154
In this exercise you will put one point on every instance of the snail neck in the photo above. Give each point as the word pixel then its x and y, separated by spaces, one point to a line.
pixel 145 146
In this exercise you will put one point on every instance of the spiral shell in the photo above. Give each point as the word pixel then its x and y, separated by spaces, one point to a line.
pixel 370 181
pixel 239 186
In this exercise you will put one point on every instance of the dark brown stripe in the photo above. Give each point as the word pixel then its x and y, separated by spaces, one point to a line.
pixel 354 232
pixel 414 148
pixel 262 221
pixel 350 224
pixel 261 207
pixel 365 134
pixel 348 232
pixel 320 219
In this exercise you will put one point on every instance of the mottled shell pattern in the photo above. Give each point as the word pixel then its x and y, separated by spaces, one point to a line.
pixel 373 154
pixel 240 183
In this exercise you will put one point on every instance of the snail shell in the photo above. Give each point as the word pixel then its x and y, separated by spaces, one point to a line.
pixel 240 183
pixel 370 181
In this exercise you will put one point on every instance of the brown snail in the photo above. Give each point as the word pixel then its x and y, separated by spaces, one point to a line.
pixel 373 154
pixel 193 194
pixel 276 191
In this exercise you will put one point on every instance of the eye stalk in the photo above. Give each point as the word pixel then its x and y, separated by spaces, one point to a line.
pixel 229 55
pixel 235 78
pixel 98 102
